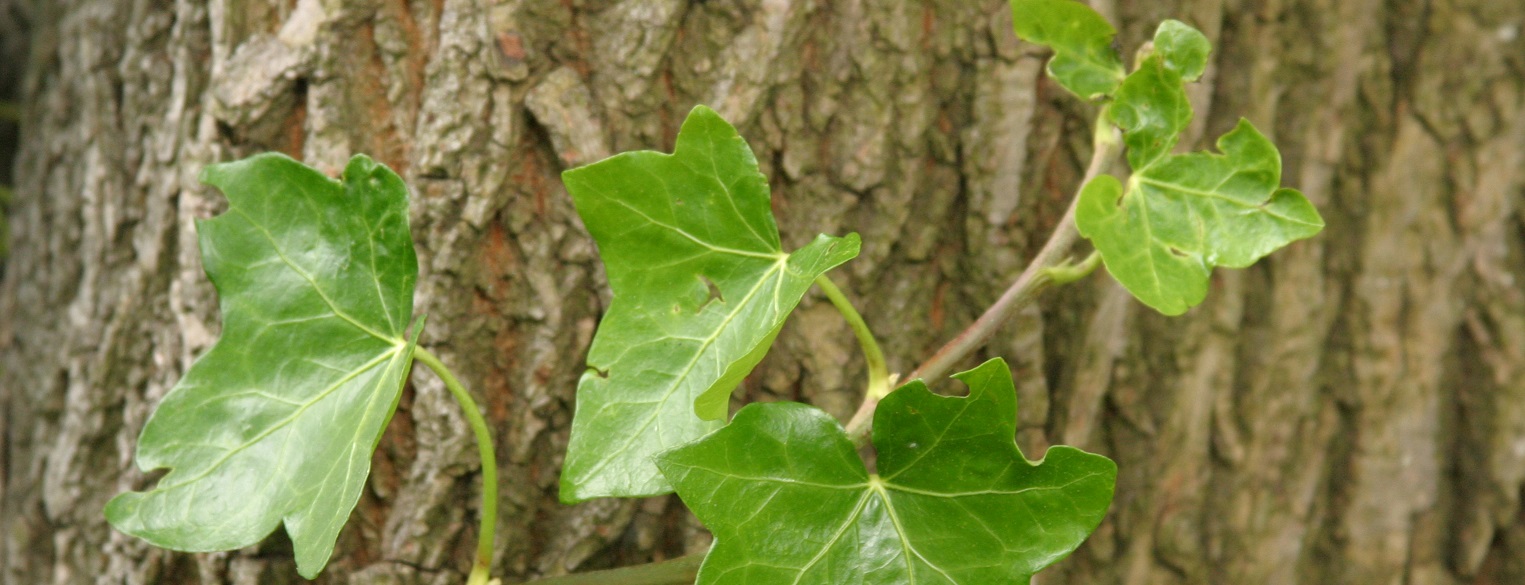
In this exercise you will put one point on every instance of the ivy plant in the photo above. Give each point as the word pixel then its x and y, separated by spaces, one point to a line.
pixel 701 287
pixel 1182 214
pixel 276 424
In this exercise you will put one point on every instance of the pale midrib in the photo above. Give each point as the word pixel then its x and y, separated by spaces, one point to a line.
pixel 923 454
pixel 311 281
pixel 787 481
pixel 386 308
pixel 285 421
pixel 1212 195
pixel 852 517
pixel 1198 192
pixel 889 508
pixel 695 239
pixel 1143 204
pixel 729 196
pixel 687 369
pixel 951 495
pixel 341 514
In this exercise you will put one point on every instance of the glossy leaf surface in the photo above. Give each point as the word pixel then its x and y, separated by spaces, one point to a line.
pixel 276 423
pixel 1180 215
pixel 701 286
pixel 1084 60
pixel 789 500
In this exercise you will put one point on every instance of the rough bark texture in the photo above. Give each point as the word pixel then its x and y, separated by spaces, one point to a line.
pixel 1351 411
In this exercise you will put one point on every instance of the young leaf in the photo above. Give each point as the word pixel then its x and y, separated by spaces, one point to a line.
pixel 276 423
pixel 1084 61
pixel 1151 104
pixel 701 286
pixel 1152 107
pixel 1184 48
pixel 1181 215
pixel 789 501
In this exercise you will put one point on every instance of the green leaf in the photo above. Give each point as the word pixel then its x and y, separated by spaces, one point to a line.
pixel 277 422
pixel 701 286
pixel 1184 214
pixel 1152 107
pixel 1084 61
pixel 789 501
pixel 1184 49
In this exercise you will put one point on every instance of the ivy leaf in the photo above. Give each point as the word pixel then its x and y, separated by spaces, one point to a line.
pixel 1151 104
pixel 789 501
pixel 701 286
pixel 1184 49
pixel 277 422
pixel 1084 61
pixel 1152 107
pixel 1184 214
pixel 1180 215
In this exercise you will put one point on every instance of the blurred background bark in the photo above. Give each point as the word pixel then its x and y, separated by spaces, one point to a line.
pixel 1349 411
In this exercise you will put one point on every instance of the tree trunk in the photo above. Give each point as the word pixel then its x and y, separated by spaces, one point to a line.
pixel 1349 411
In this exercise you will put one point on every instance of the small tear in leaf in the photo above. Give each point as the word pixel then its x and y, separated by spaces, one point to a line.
pixel 1174 251
pixel 602 374
pixel 714 292
pixel 152 478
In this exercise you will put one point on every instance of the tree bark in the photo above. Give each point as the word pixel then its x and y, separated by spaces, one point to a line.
pixel 1349 411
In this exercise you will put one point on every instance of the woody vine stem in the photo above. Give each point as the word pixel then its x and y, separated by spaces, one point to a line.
pixel 1048 268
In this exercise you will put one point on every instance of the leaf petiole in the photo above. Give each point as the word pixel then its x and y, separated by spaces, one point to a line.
pixel 1070 272
pixel 482 567
pixel 878 372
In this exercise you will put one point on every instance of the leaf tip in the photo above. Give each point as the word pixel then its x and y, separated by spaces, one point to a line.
pixel 312 559
pixel 702 111
pixel 120 510
pixel 853 241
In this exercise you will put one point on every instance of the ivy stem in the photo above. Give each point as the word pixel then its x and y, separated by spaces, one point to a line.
pixel 480 569
pixel 1047 268
pixel 680 571
pixel 878 372
pixel 1067 273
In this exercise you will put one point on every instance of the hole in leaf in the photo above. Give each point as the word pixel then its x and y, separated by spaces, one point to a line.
pixel 714 292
